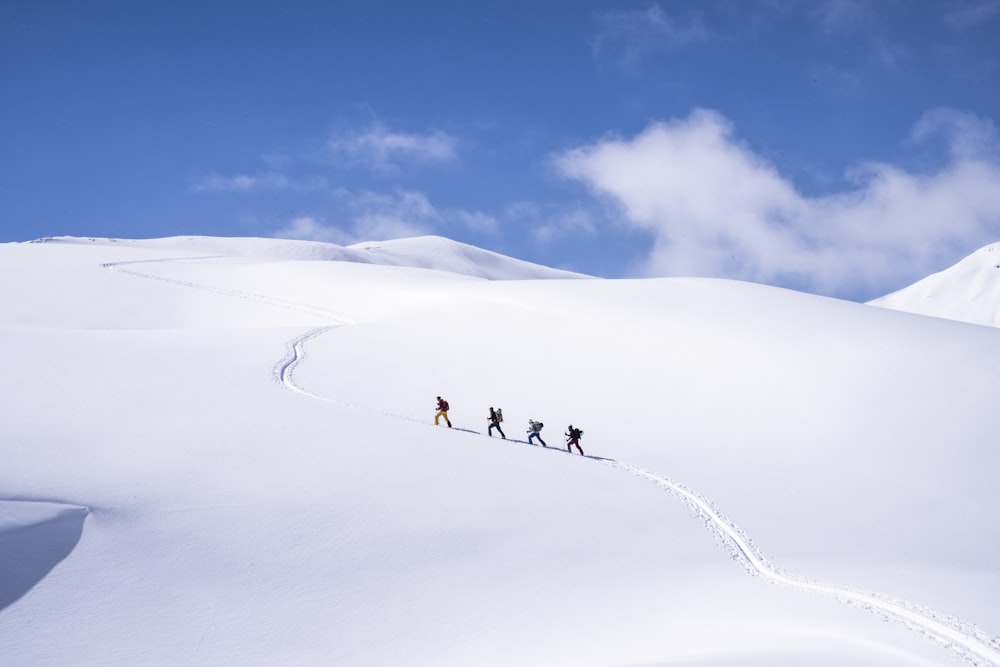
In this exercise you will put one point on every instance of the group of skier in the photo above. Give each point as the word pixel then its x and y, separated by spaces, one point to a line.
pixel 573 434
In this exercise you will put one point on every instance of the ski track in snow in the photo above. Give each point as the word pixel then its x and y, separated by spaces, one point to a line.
pixel 964 640
pixel 257 298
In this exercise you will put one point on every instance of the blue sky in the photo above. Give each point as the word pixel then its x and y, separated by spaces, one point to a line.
pixel 838 147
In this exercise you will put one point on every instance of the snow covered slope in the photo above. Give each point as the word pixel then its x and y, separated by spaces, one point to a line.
pixel 969 291
pixel 428 252
pixel 228 458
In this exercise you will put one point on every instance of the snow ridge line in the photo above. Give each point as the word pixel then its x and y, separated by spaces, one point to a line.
pixel 965 640
pixel 247 296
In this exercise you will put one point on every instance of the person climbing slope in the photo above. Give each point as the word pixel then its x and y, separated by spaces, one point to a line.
pixel 573 436
pixel 496 416
pixel 535 431
pixel 442 411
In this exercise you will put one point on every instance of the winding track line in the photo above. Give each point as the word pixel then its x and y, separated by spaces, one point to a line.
pixel 965 640
pixel 256 298
pixel 285 369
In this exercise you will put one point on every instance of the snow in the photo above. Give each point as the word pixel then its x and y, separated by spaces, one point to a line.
pixel 220 451
pixel 429 252
pixel 969 291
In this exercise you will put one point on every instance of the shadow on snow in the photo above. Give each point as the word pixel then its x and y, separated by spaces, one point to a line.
pixel 29 552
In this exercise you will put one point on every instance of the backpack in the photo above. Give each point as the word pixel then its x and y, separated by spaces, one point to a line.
pixel 444 405
pixel 499 415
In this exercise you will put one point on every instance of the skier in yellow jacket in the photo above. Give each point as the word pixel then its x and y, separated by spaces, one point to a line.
pixel 442 412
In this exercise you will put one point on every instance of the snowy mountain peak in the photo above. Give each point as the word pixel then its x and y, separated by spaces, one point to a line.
pixel 968 291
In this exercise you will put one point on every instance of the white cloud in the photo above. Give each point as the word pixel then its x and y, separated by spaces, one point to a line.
pixel 308 228
pixel 381 149
pixel 629 36
pixel 367 216
pixel 379 217
pixel 269 181
pixel 241 183
pixel 376 216
pixel 968 137
pixel 714 207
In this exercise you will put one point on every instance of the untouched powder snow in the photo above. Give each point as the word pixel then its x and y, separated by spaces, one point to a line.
pixel 222 457
pixel 969 291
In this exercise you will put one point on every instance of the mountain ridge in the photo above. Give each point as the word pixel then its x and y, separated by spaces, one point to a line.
pixel 432 252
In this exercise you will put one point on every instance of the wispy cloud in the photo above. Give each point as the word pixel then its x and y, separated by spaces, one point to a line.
pixel 379 216
pixel 967 137
pixel 473 220
pixel 552 222
pixel 865 24
pixel 377 148
pixel 714 207
pixel 383 150
pixel 973 13
pixel 837 81
pixel 310 228
pixel 889 55
pixel 839 16
pixel 629 36
pixel 269 181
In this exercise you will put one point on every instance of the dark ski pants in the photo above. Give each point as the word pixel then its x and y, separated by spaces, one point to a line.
pixel 535 435
pixel 497 427
pixel 569 446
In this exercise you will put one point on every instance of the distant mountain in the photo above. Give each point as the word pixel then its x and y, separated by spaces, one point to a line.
pixel 424 252
pixel 968 291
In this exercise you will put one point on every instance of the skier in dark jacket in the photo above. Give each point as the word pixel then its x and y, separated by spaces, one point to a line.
pixel 496 416
pixel 442 412
pixel 573 435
